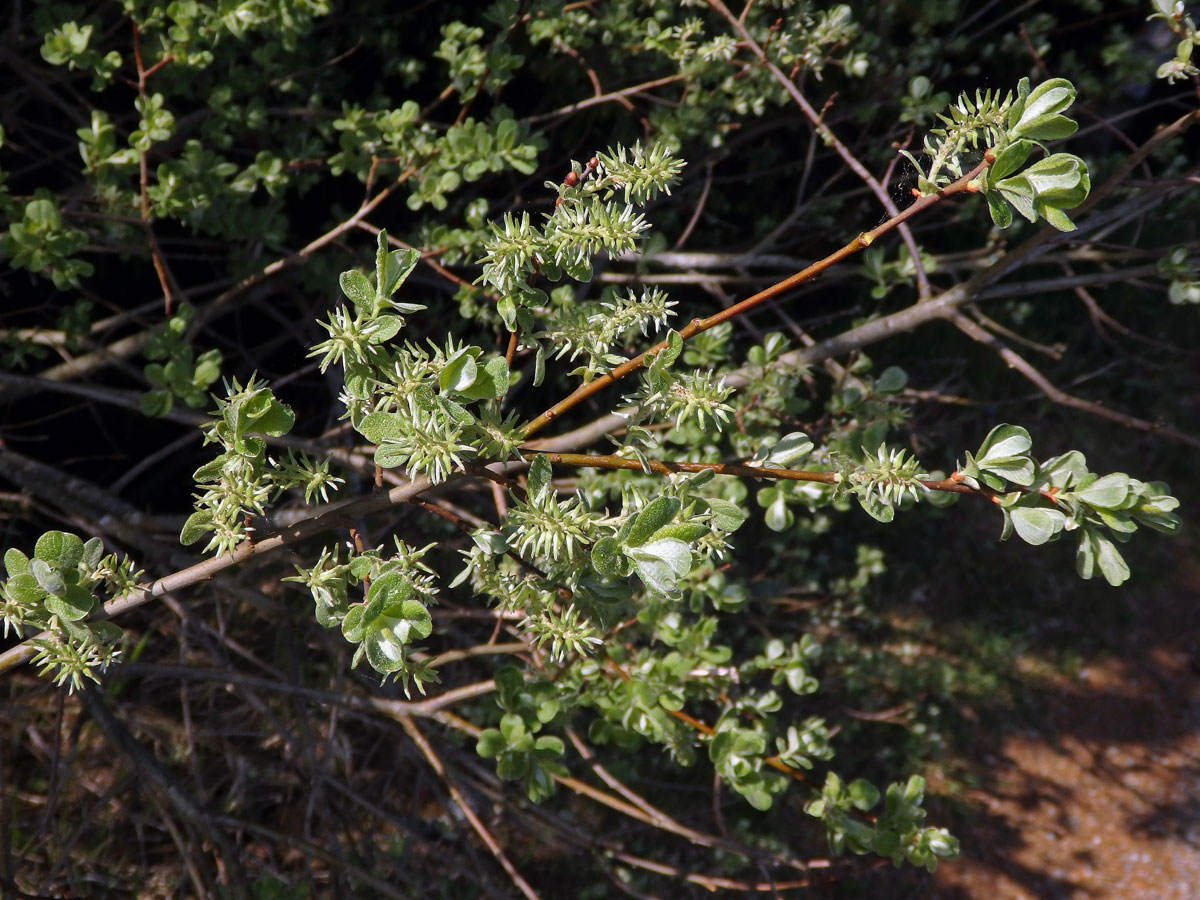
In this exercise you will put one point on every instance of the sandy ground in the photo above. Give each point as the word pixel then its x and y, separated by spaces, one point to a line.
pixel 1102 802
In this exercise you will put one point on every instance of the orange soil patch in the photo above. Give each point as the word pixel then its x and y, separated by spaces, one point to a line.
pixel 1103 801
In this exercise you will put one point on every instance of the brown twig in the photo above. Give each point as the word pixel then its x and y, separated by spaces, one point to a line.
pixel 334 515
pixel 696 213
pixel 633 811
pixel 1015 361
pixel 435 762
pixel 736 469
pixel 817 120
pixel 1055 352
pixel 697 326
pixel 120 738
pixel 210 310
pixel 612 96
pixel 166 280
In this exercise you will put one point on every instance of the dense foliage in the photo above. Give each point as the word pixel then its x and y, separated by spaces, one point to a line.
pixel 540 421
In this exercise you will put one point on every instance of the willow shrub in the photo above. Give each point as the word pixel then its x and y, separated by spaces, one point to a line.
pixel 525 403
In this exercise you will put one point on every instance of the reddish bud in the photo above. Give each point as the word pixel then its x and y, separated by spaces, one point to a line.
pixel 572 179
pixel 593 162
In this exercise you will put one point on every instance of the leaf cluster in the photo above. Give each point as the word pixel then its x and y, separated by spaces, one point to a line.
pixel 56 592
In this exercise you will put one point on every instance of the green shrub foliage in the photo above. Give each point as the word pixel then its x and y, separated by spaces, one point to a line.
pixel 556 395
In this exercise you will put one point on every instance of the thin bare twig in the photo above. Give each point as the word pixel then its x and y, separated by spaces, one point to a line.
pixel 435 762
pixel 1015 361
pixel 818 123
pixel 737 469
pixel 149 768
pixel 165 279
pixel 697 326
pixel 605 98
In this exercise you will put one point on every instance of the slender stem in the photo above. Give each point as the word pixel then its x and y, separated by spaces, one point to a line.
pixel 465 808
pixel 605 98
pixel 819 125
pixel 165 280
pixel 1014 360
pixel 697 326
pixel 584 460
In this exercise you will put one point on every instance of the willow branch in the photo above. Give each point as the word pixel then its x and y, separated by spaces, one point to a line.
pixel 819 125
pixel 1015 361
pixel 583 460
pixel 942 306
pixel 698 326
pixel 471 816
pixel 333 516
pixel 605 98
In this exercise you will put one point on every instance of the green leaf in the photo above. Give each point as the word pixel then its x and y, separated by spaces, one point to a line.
pixel 778 516
pixel 539 366
pixel 1003 441
pixel 384 653
pixel 491 381
pixel 1009 160
pixel 1097 551
pixel 863 795
pixel 391 269
pixel 275 420
pixel 512 767
pixel 49 578
pixel 660 564
pixel 1003 453
pixel 15 562
pixel 491 743
pixel 876 507
pixel 1056 218
pixel 1108 492
pixel 690 532
pixel 1018 193
pixel 378 427
pixel 74 605
pixel 538 479
pixel 891 380
pixel 1000 211
pixel 1048 100
pixel 506 306
pixel 666 357
pixel 1065 471
pixel 60 549
pixel 606 556
pixel 197 525
pixel 656 514
pixel 1112 565
pixel 390 455
pixel 789 450
pixel 384 328
pixel 1057 177
pixel 512 726
pixel 1155 508
pixel 358 290
pixel 155 404
pixel 24 588
pixel 1051 129
pixel 459 372
pixel 1036 525
pixel 352 624
pixel 579 269
pixel 726 515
